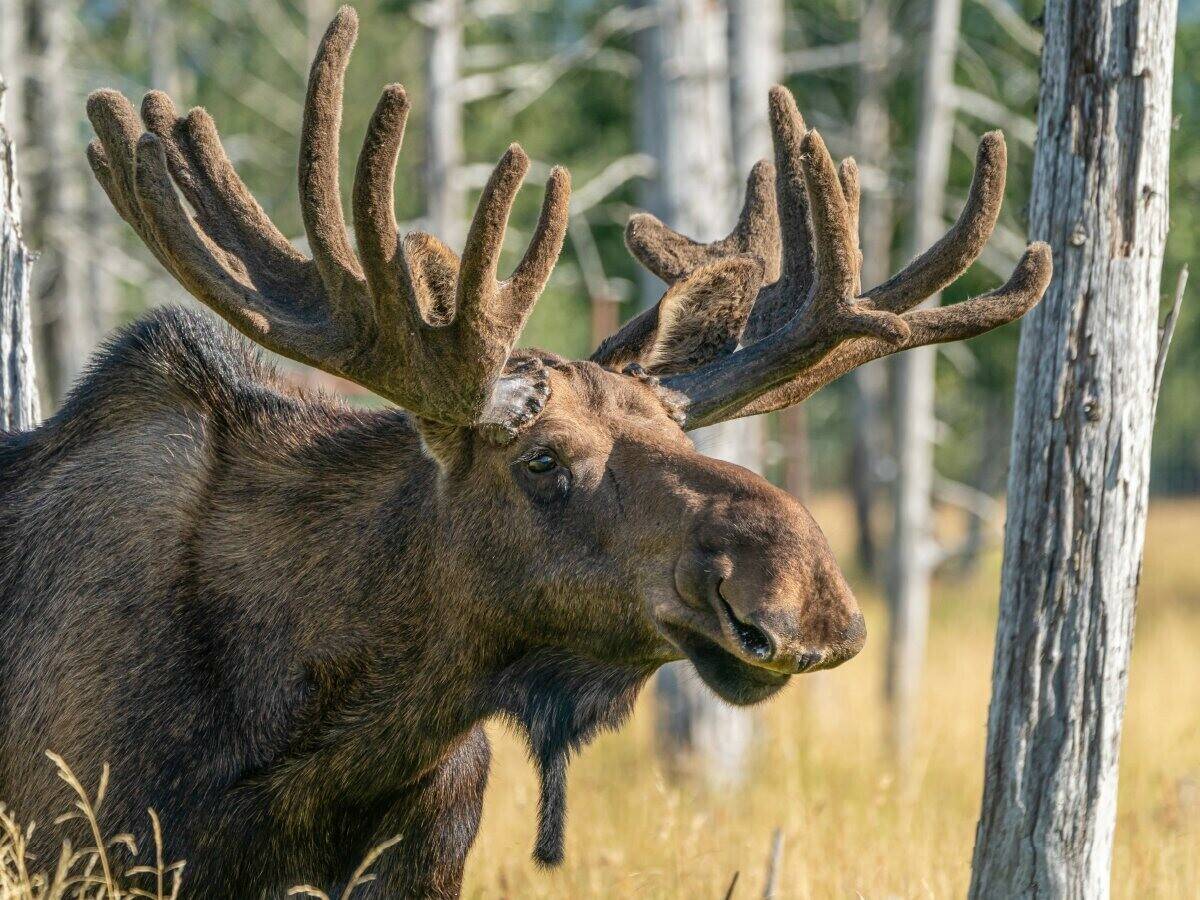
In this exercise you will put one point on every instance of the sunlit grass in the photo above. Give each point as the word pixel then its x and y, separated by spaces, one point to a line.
pixel 822 774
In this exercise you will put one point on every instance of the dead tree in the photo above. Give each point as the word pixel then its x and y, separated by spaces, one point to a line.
pixel 755 64
pixel 687 127
pixel 445 196
pixel 60 295
pixel 872 127
pixel 18 390
pixel 1077 488
pixel 913 550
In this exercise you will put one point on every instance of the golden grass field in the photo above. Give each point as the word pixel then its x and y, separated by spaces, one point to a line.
pixel 850 827
pixel 822 775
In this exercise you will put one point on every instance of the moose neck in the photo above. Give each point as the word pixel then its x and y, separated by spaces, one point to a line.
pixel 358 586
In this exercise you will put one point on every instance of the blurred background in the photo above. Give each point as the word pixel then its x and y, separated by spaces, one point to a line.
pixel 865 779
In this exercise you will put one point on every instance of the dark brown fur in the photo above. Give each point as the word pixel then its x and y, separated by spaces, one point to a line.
pixel 284 622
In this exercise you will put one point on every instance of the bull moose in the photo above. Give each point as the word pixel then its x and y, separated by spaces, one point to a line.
pixel 284 621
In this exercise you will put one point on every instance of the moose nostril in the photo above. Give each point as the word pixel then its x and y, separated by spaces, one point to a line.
pixel 807 660
pixel 753 639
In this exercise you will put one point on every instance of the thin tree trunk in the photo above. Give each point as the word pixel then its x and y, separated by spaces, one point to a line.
pixel 1077 490
pixel 873 142
pixel 686 84
pixel 912 534
pixel 317 14
pixel 755 66
pixel 60 291
pixel 18 389
pixel 445 198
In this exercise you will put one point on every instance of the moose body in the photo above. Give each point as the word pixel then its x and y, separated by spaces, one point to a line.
pixel 192 559
pixel 283 622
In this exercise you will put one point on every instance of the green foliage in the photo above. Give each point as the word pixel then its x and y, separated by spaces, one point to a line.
pixel 248 63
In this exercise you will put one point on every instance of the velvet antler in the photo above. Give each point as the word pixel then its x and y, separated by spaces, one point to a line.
pixel 404 318
pixel 809 323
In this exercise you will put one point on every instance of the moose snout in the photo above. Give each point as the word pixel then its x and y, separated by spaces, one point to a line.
pixel 794 634
pixel 771 609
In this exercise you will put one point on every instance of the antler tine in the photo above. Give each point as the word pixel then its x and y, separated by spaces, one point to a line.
pixel 485 237
pixel 503 309
pixel 833 245
pixel 959 247
pixel 779 300
pixel 224 206
pixel 532 273
pixel 111 157
pixel 414 325
pixel 673 256
pixel 193 256
pixel 958 322
pixel 125 205
pixel 374 201
pixel 320 197
pixel 851 190
pixel 787 135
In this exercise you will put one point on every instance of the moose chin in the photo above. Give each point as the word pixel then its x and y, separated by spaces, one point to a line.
pixel 283 622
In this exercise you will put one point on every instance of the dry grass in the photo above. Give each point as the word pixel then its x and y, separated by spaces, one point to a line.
pixel 108 867
pixel 821 778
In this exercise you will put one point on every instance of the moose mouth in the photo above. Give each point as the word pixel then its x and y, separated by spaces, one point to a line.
pixel 732 679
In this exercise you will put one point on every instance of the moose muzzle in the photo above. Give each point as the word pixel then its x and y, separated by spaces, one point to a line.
pixel 760 596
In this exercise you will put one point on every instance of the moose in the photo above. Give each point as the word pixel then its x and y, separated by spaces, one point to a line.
pixel 283 621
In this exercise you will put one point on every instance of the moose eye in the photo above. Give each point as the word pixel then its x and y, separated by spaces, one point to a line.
pixel 542 463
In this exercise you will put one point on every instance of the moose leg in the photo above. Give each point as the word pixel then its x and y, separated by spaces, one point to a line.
pixel 436 824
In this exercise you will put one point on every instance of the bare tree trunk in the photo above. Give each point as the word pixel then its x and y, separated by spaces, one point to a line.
pixel 913 551
pixel 317 14
pixel 12 59
pixel 60 290
pixel 686 84
pixel 872 128
pixel 1078 486
pixel 445 199
pixel 755 66
pixel 18 390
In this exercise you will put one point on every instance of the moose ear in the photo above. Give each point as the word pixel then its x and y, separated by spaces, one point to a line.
pixel 698 319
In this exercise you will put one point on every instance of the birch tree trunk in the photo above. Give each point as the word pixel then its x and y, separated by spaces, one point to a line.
pixel 686 87
pixel 445 199
pixel 1077 488
pixel 755 66
pixel 872 128
pixel 56 225
pixel 913 551
pixel 18 390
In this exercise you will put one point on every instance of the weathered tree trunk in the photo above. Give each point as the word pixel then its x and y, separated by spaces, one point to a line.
pixel 56 180
pixel 445 198
pixel 872 128
pixel 18 389
pixel 913 551
pixel 1077 489
pixel 686 84
pixel 317 14
pixel 755 63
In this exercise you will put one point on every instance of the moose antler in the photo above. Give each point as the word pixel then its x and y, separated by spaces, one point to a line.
pixel 809 324
pixel 404 318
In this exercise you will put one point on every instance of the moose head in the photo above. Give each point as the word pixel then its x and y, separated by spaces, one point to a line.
pixel 564 497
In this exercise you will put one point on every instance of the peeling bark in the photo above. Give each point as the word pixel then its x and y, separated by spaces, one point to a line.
pixel 1080 453
pixel 18 390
